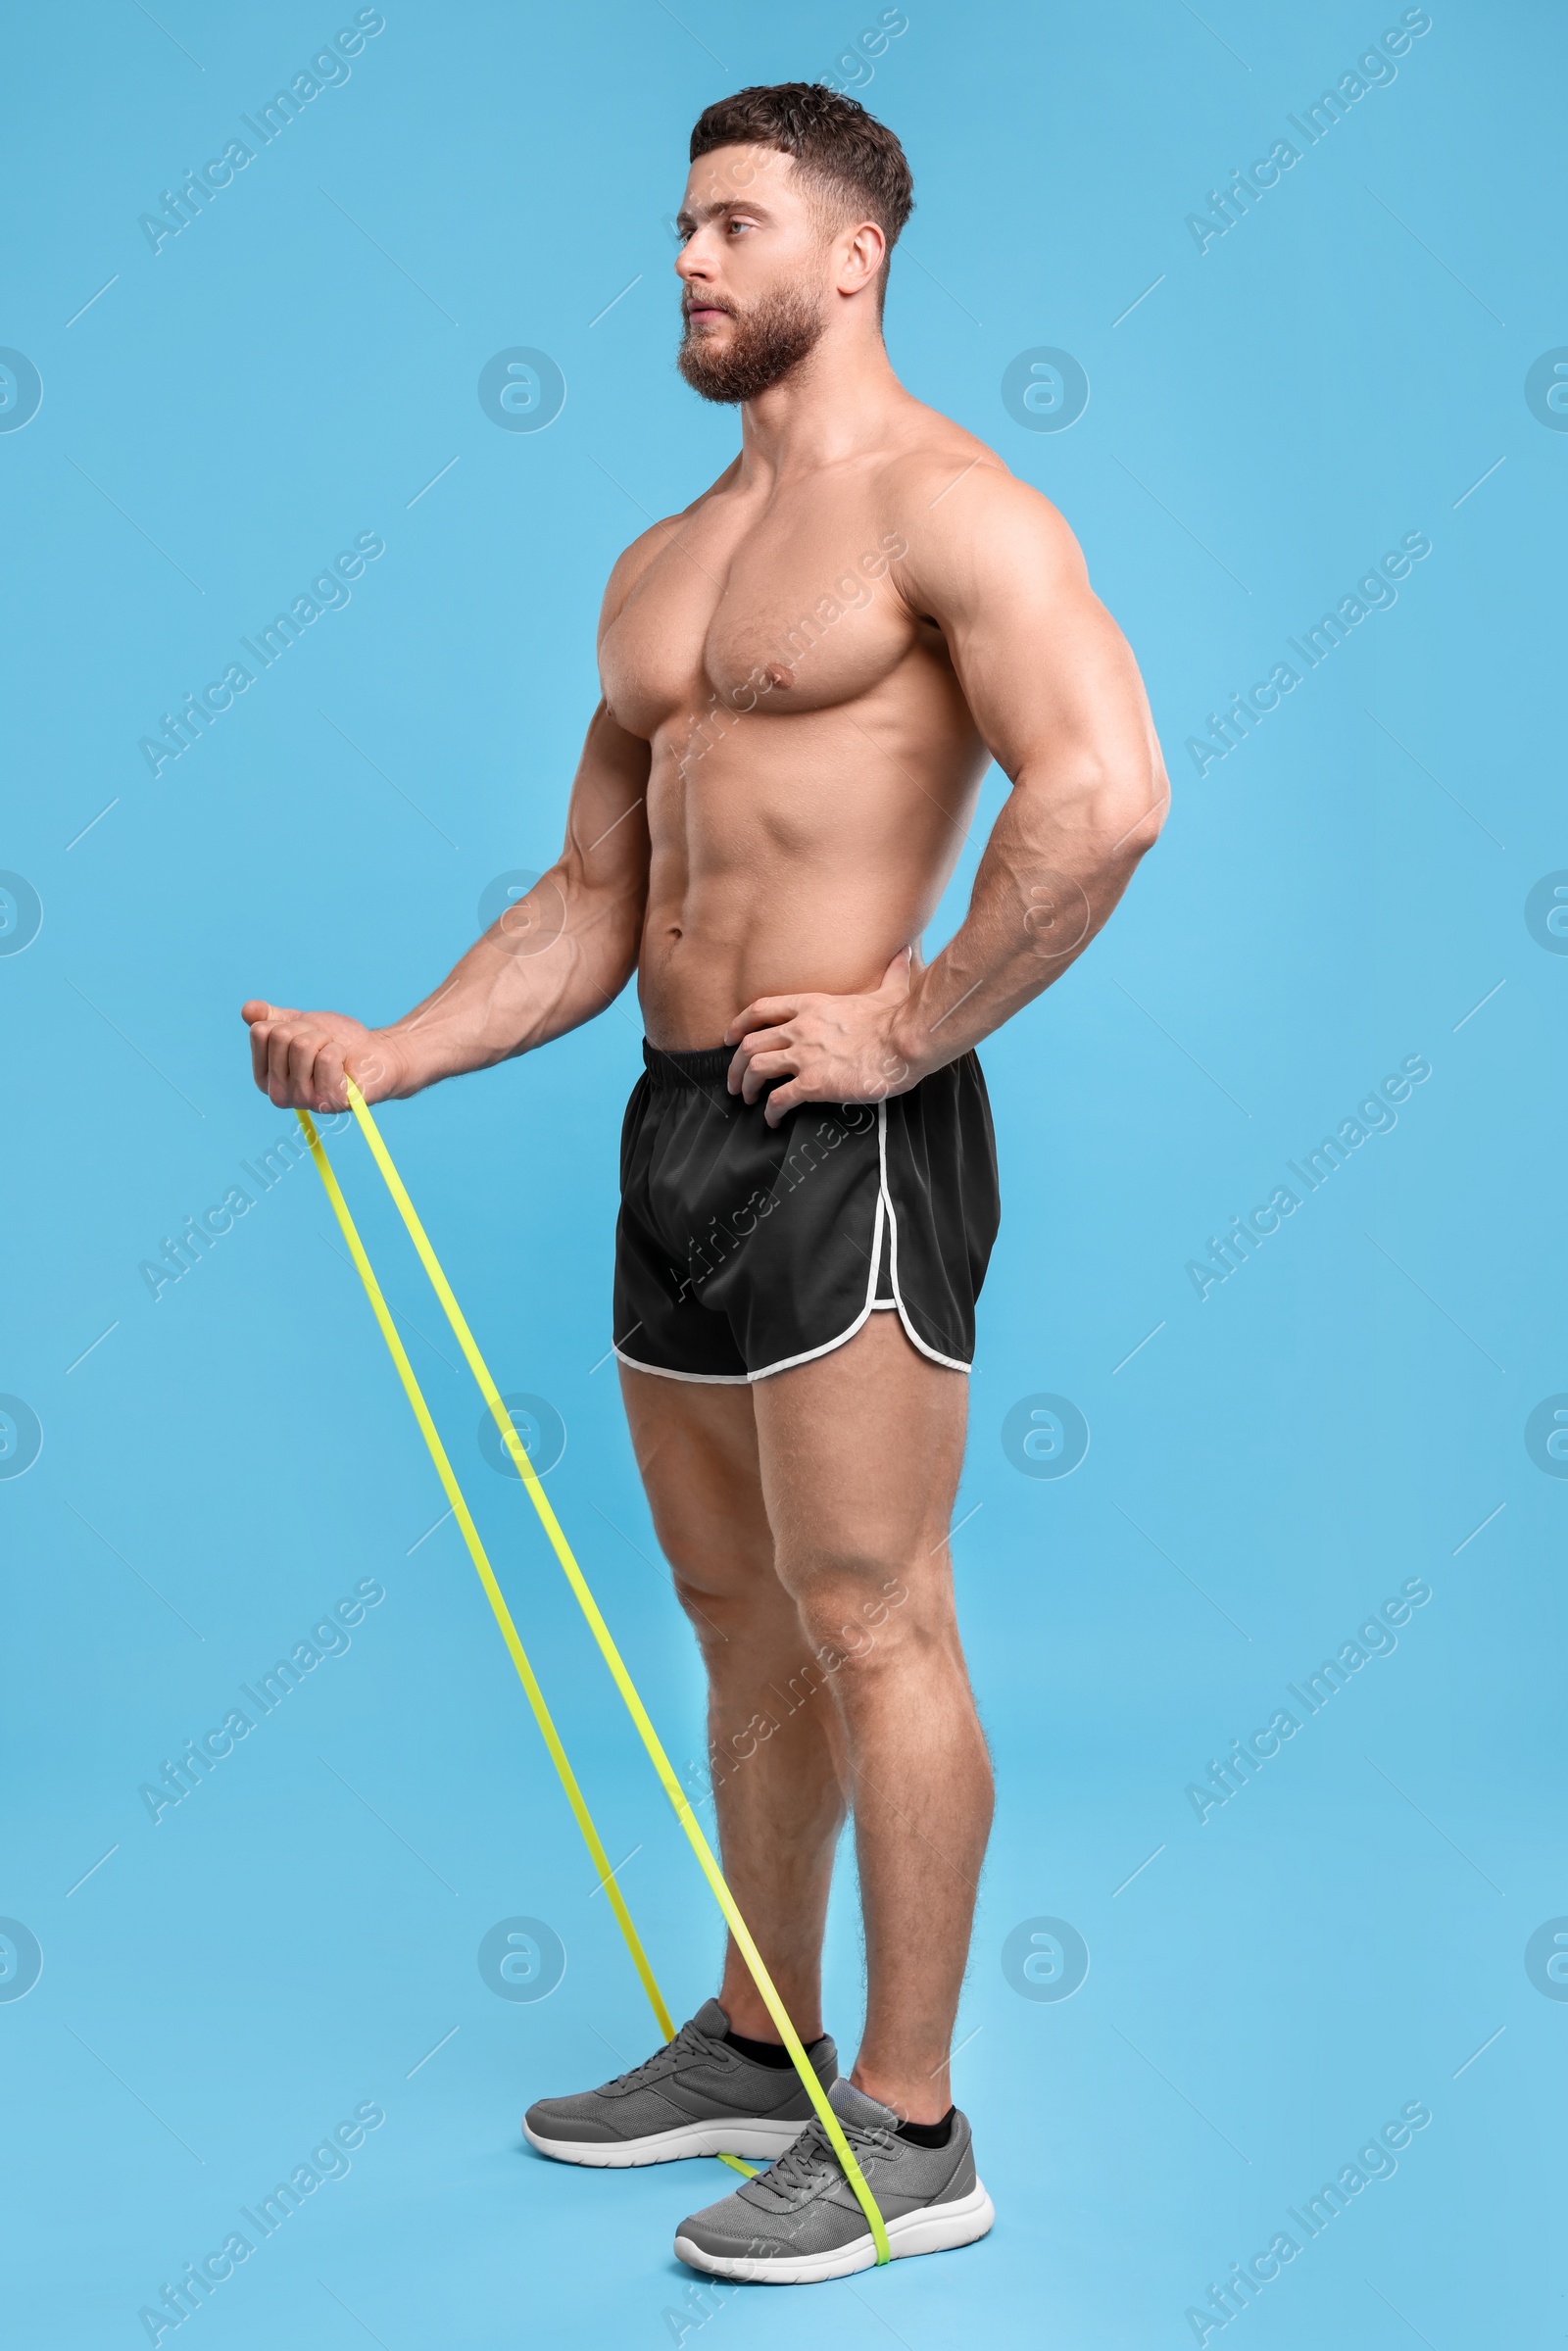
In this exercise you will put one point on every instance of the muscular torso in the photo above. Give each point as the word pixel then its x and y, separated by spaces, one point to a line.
pixel 814 766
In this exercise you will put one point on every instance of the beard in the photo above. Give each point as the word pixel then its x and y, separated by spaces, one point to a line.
pixel 770 339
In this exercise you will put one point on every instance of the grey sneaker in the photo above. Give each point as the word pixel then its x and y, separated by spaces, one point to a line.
pixel 694 2096
pixel 799 2221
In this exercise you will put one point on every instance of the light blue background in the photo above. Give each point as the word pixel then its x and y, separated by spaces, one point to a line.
pixel 1340 1939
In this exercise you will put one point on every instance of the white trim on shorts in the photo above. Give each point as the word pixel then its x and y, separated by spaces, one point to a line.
pixel 884 1208
pixel 910 1332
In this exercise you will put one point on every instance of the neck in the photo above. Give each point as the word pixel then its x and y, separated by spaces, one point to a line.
pixel 837 402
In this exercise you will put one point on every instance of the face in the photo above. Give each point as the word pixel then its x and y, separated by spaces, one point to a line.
pixel 756 270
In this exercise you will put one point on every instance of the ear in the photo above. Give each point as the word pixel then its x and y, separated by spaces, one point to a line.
pixel 862 251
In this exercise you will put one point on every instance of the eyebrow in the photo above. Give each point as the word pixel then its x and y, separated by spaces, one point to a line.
pixel 690 217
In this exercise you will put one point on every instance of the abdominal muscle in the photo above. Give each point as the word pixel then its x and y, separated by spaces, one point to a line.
pixel 798 852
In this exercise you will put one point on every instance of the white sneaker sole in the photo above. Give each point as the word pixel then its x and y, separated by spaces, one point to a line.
pixel 756 2140
pixel 932 2229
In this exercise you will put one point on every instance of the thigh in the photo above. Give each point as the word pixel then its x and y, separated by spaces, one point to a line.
pixel 695 1449
pixel 858 1454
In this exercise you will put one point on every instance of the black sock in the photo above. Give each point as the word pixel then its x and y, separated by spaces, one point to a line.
pixel 927 2135
pixel 766 2053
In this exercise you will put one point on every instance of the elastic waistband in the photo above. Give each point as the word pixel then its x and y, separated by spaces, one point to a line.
pixel 687 1069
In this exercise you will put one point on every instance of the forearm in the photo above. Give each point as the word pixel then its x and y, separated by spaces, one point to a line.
pixel 1053 871
pixel 553 961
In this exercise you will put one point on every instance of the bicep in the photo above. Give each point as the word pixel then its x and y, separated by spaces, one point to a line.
pixel 1048 675
pixel 606 818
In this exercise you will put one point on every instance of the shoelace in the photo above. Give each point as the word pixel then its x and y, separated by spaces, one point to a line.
pixel 810 2153
pixel 687 2042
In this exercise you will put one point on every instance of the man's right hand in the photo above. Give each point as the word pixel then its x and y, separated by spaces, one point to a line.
pixel 301 1060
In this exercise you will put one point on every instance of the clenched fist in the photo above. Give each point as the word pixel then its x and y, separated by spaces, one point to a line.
pixel 299 1060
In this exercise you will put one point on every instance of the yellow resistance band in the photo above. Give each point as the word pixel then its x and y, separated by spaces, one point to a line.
pixel 503 1617
pixel 477 1552
pixel 597 1625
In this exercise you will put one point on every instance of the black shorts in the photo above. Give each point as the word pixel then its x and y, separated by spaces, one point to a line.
pixel 744 1250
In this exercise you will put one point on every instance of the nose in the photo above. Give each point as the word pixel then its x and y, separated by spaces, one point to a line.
pixel 694 260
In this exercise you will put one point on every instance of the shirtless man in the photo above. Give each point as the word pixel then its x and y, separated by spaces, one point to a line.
pixel 804 675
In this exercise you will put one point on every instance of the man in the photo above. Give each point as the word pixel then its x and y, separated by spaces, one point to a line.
pixel 804 675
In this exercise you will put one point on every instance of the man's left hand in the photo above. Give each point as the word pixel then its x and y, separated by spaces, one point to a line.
pixel 830 1048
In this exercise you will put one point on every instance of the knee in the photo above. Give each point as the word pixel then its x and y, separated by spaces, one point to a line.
pixel 855 1613
pixel 710 1556
pixel 709 1595
pixel 719 1619
pixel 724 1590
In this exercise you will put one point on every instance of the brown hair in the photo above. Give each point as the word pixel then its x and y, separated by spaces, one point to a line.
pixel 833 141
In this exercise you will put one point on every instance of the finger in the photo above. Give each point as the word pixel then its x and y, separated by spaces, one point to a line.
pixel 766 1012
pixel 897 974
pixel 767 1040
pixel 762 1070
pixel 783 1100
pixel 264 1019
pixel 281 1046
pixel 279 1034
pixel 759 1041
pixel 304 1045
pixel 328 1094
